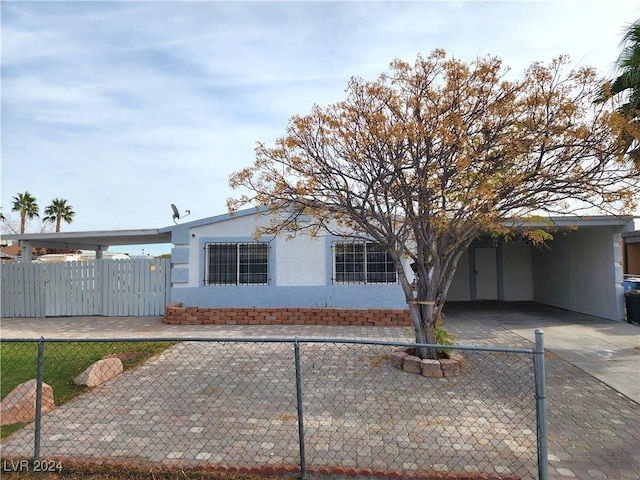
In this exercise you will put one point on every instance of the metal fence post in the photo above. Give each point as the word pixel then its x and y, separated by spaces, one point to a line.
pixel 541 407
pixel 303 466
pixel 38 412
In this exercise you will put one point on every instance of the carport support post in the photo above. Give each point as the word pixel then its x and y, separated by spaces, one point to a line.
pixel 25 250
pixel 303 466
pixel 38 412
pixel 541 408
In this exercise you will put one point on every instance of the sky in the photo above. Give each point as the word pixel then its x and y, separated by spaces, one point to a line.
pixel 125 107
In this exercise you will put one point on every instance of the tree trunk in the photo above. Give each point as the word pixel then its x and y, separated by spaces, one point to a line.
pixel 422 315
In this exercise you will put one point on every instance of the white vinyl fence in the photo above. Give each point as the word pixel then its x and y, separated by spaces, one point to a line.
pixel 134 287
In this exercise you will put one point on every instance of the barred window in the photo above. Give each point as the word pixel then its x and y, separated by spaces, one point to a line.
pixel 236 264
pixel 360 262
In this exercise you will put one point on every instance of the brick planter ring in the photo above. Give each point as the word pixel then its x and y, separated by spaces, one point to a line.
pixel 406 360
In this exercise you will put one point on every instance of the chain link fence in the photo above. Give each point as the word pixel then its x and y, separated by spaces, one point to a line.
pixel 317 405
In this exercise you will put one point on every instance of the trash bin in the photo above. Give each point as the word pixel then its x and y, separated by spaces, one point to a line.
pixel 632 302
pixel 631 284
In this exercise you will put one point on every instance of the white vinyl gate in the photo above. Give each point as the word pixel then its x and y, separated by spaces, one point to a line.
pixel 134 287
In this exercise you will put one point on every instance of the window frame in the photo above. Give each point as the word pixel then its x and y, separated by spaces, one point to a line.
pixel 362 269
pixel 238 271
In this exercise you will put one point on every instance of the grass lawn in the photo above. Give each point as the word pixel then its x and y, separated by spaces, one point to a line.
pixel 62 363
pixel 99 472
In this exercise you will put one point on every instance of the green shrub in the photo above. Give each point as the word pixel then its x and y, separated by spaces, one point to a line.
pixel 443 337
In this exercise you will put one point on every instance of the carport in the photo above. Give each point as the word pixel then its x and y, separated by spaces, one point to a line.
pixel 136 286
pixel 580 270
pixel 98 241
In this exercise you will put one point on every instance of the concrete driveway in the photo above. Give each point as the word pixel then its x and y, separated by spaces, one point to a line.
pixel 606 350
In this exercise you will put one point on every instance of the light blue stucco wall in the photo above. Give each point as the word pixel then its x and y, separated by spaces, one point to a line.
pixel 328 296
pixel 300 272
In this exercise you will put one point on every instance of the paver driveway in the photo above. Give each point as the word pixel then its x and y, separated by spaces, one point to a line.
pixel 593 429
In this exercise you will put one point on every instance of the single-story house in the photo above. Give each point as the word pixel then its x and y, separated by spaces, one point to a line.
pixel 217 263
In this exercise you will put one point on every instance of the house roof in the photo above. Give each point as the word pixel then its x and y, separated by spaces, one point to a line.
pixel 631 237
pixel 217 218
pixel 9 252
pixel 10 249
pixel 559 221
pixel 93 240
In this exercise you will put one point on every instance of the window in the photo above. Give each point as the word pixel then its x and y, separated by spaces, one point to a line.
pixel 359 262
pixel 236 264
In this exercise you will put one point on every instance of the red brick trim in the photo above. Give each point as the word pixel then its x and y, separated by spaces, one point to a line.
pixel 176 314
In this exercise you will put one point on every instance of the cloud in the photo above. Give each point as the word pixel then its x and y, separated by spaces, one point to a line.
pixel 125 107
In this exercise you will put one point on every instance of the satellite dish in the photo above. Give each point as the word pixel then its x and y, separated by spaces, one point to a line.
pixel 176 213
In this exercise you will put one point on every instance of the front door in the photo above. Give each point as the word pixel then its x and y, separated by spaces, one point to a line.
pixel 486 273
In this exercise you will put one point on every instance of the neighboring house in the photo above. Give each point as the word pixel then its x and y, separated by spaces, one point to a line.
pixel 217 263
pixel 631 246
pixel 78 257
pixel 9 253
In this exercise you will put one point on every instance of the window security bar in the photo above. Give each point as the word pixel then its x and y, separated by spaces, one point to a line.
pixel 236 264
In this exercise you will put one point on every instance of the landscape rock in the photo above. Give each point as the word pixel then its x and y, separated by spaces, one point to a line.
pixel 99 372
pixel 20 404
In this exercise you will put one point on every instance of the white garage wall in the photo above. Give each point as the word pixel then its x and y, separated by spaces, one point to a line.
pixel 517 272
pixel 460 290
pixel 578 272
pixel 515 279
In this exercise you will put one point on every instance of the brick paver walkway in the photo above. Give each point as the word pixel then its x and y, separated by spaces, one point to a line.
pixel 236 403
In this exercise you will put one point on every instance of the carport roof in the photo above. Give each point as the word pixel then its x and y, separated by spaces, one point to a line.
pixel 568 221
pixel 91 240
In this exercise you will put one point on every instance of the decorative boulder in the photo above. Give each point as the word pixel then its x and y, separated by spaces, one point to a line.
pixel 20 404
pixel 99 372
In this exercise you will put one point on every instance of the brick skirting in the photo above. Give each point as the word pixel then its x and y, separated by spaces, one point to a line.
pixel 176 314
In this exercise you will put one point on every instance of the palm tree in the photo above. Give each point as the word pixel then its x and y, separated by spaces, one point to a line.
pixel 58 211
pixel 626 86
pixel 629 79
pixel 26 205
